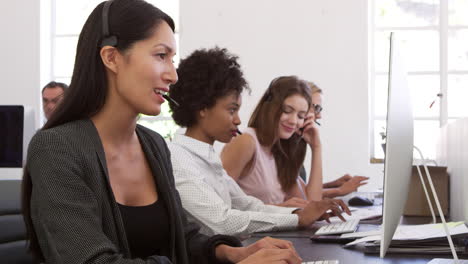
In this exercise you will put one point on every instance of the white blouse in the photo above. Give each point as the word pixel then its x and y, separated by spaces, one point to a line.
pixel 214 200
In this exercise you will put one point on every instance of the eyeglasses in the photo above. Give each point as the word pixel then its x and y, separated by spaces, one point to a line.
pixel 317 108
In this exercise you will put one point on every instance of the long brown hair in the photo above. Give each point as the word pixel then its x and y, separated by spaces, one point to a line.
pixel 289 153
pixel 130 21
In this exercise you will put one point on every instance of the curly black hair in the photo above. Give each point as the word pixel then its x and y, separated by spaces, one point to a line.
pixel 204 76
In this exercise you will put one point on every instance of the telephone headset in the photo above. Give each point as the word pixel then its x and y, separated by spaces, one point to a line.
pixel 111 40
pixel 108 39
pixel 269 95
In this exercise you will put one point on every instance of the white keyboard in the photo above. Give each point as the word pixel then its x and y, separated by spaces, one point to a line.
pixel 321 262
pixel 447 261
pixel 339 228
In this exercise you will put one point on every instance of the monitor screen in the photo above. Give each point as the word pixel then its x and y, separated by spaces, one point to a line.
pixel 11 136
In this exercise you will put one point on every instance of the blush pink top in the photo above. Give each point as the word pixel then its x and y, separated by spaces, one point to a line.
pixel 261 180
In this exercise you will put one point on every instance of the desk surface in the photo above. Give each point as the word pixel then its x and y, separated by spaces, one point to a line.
pixel 310 251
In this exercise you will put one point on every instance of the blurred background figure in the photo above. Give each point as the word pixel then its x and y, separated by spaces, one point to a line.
pixel 52 94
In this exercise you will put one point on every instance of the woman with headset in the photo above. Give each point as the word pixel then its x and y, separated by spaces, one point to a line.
pixel 271 151
pixel 274 145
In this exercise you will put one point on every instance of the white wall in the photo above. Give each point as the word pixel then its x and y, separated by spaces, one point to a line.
pixel 19 60
pixel 19 49
pixel 321 41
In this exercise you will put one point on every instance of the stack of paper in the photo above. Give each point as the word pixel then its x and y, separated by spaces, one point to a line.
pixel 424 239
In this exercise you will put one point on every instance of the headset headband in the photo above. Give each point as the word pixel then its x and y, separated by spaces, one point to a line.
pixel 108 40
pixel 268 96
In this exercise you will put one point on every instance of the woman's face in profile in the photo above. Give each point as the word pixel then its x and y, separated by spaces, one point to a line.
pixel 220 121
pixel 146 70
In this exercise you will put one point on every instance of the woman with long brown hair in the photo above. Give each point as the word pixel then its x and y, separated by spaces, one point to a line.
pixel 266 159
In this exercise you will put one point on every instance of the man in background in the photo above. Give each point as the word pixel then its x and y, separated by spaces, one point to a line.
pixel 52 94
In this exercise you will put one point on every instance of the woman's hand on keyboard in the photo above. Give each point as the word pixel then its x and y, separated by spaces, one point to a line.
pixel 243 253
pixel 273 256
pixel 337 208
pixel 321 210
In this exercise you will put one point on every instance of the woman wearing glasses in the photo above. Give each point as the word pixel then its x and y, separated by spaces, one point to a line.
pixel 265 160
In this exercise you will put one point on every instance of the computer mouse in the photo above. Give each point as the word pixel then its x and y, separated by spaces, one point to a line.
pixel 360 201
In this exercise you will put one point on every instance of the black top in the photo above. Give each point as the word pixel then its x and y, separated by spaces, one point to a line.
pixel 73 209
pixel 147 228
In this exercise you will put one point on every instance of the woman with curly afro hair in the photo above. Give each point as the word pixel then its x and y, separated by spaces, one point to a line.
pixel 209 96
pixel 207 76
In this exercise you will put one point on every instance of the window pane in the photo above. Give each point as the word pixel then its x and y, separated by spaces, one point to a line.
pixel 458 49
pixel 381 95
pixel 71 15
pixel 381 52
pixel 165 110
pixel 379 131
pixel 170 7
pixel 166 128
pixel 457 93
pixel 63 80
pixel 426 133
pixel 457 12
pixel 420 48
pixel 64 56
pixel 407 13
pixel 450 120
pixel 424 90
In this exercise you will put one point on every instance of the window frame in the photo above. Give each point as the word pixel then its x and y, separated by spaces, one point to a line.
pixel 443 73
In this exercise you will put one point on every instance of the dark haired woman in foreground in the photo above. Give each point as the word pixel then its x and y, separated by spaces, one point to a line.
pixel 98 188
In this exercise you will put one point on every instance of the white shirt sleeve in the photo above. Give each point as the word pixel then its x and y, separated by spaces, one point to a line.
pixel 215 215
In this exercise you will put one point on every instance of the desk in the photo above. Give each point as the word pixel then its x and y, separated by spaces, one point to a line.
pixel 310 251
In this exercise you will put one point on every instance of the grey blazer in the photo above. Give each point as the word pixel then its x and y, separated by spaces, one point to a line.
pixel 74 212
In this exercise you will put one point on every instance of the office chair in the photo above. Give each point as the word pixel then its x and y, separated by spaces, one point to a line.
pixel 12 229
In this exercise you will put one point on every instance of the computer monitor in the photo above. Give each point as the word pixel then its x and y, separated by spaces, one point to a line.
pixel 17 126
pixel 399 146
